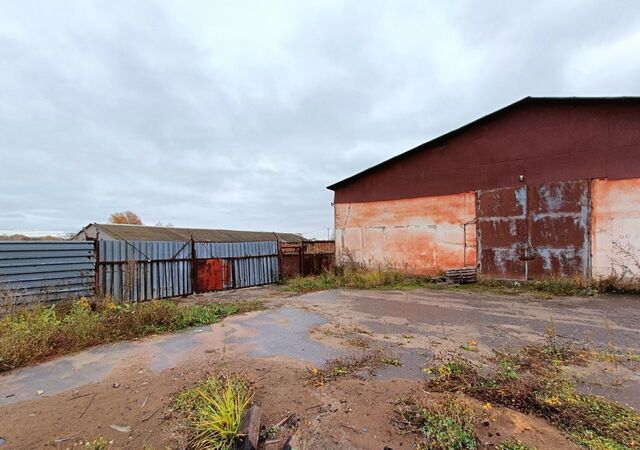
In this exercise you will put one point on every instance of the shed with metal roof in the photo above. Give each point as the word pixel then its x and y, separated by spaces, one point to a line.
pixel 125 232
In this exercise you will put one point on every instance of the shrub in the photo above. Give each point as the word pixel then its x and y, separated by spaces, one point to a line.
pixel 26 335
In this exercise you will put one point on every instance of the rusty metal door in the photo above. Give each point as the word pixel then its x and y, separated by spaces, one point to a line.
pixel 534 232
pixel 212 274
pixel 559 229
pixel 290 259
pixel 502 233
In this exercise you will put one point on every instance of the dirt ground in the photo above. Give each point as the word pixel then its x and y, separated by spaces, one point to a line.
pixel 64 402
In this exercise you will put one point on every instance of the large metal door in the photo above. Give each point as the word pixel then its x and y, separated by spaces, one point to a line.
pixel 502 233
pixel 534 232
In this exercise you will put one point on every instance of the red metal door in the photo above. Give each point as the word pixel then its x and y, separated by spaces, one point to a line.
pixel 211 275
pixel 534 232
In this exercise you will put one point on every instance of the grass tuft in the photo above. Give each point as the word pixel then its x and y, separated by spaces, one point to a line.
pixel 447 424
pixel 214 410
pixel 99 443
pixel 29 335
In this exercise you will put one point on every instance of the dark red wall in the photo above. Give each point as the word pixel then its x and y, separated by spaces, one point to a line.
pixel 544 141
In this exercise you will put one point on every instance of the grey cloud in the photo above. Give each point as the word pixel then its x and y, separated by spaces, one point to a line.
pixel 237 115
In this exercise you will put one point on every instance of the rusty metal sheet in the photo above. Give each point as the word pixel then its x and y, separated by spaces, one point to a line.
pixel 502 232
pixel 211 274
pixel 534 232
pixel 559 229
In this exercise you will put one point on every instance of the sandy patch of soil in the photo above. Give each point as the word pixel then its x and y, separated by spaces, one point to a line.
pixel 346 413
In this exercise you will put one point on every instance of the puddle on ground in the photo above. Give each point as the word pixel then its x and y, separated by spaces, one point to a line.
pixel 285 332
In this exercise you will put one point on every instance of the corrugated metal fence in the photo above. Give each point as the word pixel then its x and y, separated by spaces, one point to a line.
pixel 134 270
pixel 250 263
pixel 46 270
pixel 142 270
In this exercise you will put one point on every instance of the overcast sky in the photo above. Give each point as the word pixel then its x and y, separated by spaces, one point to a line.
pixel 231 114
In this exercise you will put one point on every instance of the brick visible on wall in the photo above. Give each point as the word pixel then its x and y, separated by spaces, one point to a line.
pixel 615 227
pixel 420 235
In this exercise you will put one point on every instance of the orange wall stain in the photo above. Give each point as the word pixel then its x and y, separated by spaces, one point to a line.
pixel 421 235
pixel 615 227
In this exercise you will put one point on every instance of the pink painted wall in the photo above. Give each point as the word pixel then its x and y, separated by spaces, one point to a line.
pixel 419 235
pixel 615 227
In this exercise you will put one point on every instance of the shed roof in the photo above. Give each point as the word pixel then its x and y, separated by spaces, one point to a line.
pixel 149 233
pixel 440 140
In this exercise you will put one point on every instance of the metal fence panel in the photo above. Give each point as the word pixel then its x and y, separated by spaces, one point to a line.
pixel 258 271
pixel 143 270
pixel 235 249
pixel 252 263
pixel 47 270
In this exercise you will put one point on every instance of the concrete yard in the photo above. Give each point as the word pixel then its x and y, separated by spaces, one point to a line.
pixel 65 401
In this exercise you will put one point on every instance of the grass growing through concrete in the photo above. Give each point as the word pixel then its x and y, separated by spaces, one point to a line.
pixel 29 335
pixel 214 411
pixel 531 381
pixel 368 361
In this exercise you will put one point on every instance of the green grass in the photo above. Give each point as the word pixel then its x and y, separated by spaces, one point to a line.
pixel 448 424
pixel 357 279
pixel 354 276
pixel 29 335
pixel 531 381
pixel 214 410
pixel 552 287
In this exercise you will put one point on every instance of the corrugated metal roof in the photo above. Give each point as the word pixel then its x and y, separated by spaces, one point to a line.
pixel 440 140
pixel 148 233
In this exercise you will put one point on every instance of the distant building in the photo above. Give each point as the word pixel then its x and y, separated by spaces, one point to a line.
pixel 113 232
pixel 543 187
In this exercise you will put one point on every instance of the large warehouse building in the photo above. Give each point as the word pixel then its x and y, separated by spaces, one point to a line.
pixel 543 187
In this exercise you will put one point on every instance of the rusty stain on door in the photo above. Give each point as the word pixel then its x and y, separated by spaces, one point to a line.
pixel 534 232
pixel 212 274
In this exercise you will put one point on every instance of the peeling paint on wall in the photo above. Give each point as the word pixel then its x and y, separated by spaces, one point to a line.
pixel 615 230
pixel 420 235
